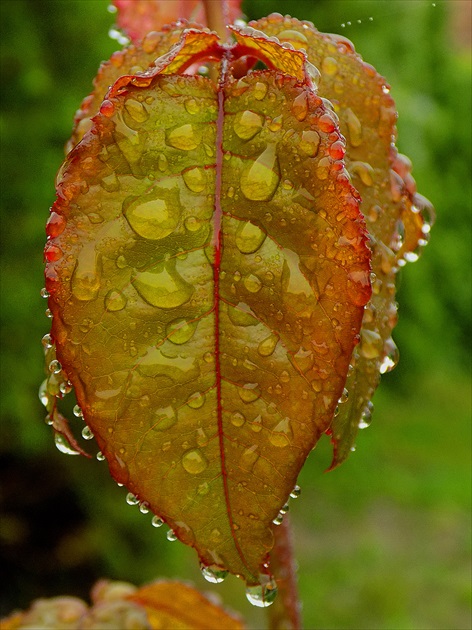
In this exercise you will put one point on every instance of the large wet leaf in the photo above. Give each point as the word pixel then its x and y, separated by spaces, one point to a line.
pixel 398 219
pixel 207 270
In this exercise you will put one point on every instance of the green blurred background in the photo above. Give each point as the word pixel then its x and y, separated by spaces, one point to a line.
pixel 382 542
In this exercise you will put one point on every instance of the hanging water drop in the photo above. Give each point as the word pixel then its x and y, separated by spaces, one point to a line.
pixel 157 522
pixel 296 492
pixel 87 433
pixel 171 535
pixel 100 456
pixel 213 573
pixel 132 499
pixel 262 595
pixel 55 367
pixel 77 411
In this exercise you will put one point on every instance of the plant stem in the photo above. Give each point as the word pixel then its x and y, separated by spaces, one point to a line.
pixel 285 612
pixel 216 13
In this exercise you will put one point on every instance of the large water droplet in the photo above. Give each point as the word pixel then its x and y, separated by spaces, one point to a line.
pixel 371 344
pixel 115 300
pixel 252 283
pixel 354 127
pixel 296 492
pixel 63 445
pixel 85 281
pixel 260 90
pixel 300 106
pixel 213 573
pixel 163 286
pixel 242 315
pixel 195 179
pixel 329 66
pixel 181 330
pixel 194 461
pixel 153 218
pixel 164 418
pixel 249 237
pixel 366 417
pixel 171 535
pixel 281 435
pixel 237 419
pixel 309 143
pixel 391 356
pixel 267 346
pixel 262 595
pixel 192 106
pixel 364 171
pixel 247 124
pixel 186 137
pixel 249 392
pixel 136 110
pixel 259 180
pixel 157 522
pixel 196 400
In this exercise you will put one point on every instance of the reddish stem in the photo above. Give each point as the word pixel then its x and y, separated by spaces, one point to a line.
pixel 285 612
pixel 217 17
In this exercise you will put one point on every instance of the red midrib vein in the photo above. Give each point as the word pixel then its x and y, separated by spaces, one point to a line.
pixel 218 246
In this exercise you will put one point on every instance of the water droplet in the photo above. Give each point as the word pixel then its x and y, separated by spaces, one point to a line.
pixel 296 492
pixel 63 445
pixel 390 358
pixel 252 283
pixel 260 90
pixel 249 392
pixel 344 396
pixel 55 367
pixel 371 344
pixel 157 522
pixel 194 462
pixel 364 171
pixel 260 178
pixel 354 127
pixel 132 499
pixel 262 595
pixel 192 106
pixel 110 183
pixel 171 535
pixel 366 417
pixel 180 330
pixel 52 253
pixel 278 520
pixel 267 346
pixel 162 163
pixel 77 411
pixel 249 237
pixel 47 341
pixel 276 123
pixel 195 179
pixel 213 573
pixel 281 435
pixel 285 376
pixel 196 400
pixel 242 315
pixel 154 218
pixel 55 225
pixel 85 281
pixel 48 313
pixel 164 418
pixel 107 108
pixel 203 489
pixel 87 433
pixel 43 293
pixel 329 66
pixel 184 137
pixel 44 396
pixel 163 286
pixel 144 507
pixel 115 300
pixel 247 124
pixel 237 419
pixel 100 456
pixel 300 106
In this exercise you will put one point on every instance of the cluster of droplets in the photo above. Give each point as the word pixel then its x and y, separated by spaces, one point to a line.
pixel 294 494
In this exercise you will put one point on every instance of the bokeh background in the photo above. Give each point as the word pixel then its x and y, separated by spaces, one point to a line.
pixel 383 542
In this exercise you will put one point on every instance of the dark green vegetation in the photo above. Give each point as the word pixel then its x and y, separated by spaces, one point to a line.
pixel 384 541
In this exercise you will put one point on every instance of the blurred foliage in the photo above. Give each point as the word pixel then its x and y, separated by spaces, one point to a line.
pixel 384 541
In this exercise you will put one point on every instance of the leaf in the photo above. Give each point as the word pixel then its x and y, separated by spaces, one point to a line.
pixel 207 272
pixel 138 17
pixel 178 606
pixel 162 604
pixel 398 219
